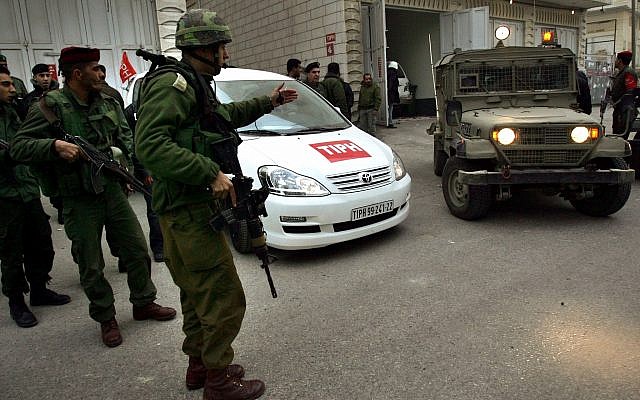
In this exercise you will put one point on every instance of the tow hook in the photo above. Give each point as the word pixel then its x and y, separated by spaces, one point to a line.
pixel 506 171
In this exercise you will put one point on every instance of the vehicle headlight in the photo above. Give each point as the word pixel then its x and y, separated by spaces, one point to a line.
pixel 398 167
pixel 504 136
pixel 284 182
pixel 581 134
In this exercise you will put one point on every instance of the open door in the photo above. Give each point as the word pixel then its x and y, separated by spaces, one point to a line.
pixel 378 54
pixel 467 29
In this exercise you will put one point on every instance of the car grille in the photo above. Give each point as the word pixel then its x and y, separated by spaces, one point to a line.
pixel 541 157
pixel 360 180
pixel 544 135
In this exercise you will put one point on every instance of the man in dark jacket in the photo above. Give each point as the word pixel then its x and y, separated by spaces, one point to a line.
pixel 584 93
pixel 623 94
pixel 26 249
pixel 334 91
pixel 393 97
pixel 42 83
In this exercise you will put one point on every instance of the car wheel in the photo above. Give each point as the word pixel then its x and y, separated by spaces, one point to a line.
pixel 240 239
pixel 607 199
pixel 439 160
pixel 464 201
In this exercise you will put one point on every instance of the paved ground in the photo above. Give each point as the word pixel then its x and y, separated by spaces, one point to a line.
pixel 534 302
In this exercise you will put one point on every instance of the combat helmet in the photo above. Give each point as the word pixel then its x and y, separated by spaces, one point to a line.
pixel 199 28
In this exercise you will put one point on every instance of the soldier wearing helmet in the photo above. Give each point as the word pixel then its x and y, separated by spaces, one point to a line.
pixel 623 87
pixel 180 120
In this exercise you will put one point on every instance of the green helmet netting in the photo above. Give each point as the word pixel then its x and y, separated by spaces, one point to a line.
pixel 198 28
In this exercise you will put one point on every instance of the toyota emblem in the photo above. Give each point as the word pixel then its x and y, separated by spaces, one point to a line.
pixel 366 177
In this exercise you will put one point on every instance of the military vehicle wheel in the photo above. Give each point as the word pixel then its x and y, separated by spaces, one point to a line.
pixel 607 199
pixel 464 201
pixel 240 239
pixel 439 160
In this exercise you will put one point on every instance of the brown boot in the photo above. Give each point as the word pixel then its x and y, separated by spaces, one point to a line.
pixel 153 311
pixel 197 373
pixel 219 385
pixel 111 333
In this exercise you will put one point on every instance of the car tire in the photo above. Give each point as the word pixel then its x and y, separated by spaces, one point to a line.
pixel 239 233
pixel 467 202
pixel 439 160
pixel 607 199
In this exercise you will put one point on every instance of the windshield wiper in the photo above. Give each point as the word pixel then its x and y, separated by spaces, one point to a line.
pixel 261 132
pixel 318 129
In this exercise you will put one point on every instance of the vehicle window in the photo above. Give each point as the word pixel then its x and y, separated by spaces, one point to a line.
pixel 310 111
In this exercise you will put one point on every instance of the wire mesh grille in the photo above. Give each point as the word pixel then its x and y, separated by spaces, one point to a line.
pixel 541 157
pixel 543 75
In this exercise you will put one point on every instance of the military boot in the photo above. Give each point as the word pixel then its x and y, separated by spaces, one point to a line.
pixel 20 312
pixel 219 385
pixel 41 296
pixel 197 373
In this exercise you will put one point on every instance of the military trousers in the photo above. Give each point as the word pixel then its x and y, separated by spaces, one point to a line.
pixel 367 120
pixel 85 218
pixel 26 249
pixel 211 294
pixel 623 116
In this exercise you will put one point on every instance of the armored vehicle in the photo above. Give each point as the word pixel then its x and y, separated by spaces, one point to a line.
pixel 508 120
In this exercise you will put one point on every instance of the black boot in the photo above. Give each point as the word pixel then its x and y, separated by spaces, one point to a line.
pixel 20 312
pixel 219 385
pixel 41 296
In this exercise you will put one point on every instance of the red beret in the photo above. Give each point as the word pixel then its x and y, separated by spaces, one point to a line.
pixel 625 56
pixel 75 55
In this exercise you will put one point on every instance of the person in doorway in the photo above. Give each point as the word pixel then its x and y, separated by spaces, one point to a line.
pixel 26 248
pixel 368 104
pixel 393 97
pixel 623 92
pixel 294 68
pixel 93 201
pixel 178 105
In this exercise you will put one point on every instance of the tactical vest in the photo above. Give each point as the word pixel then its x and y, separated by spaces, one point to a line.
pixel 100 128
pixel 209 130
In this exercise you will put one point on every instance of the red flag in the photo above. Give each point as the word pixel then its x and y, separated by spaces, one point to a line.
pixel 53 71
pixel 126 69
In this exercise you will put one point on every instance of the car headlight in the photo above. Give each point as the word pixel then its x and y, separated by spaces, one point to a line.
pixel 284 182
pixel 581 134
pixel 504 136
pixel 398 167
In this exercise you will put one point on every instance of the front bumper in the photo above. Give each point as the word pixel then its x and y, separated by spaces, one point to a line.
pixel 547 176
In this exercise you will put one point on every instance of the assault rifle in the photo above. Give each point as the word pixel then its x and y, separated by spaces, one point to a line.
pixel 249 202
pixel 98 159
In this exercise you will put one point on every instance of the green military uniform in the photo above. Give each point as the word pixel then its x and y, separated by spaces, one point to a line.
pixel 624 109
pixel 86 212
pixel 334 92
pixel 25 234
pixel 172 145
pixel 369 102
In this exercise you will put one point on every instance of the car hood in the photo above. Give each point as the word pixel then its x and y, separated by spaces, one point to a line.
pixel 318 154
pixel 528 115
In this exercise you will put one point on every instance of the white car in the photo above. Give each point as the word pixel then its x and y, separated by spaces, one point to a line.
pixel 329 182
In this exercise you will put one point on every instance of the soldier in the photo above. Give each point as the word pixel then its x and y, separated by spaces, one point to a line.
pixel 368 104
pixel 21 89
pixel 42 83
pixel 623 86
pixel 294 68
pixel 25 234
pixel 334 90
pixel 93 200
pixel 178 110
pixel 313 77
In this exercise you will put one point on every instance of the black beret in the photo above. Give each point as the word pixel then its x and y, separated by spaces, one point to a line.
pixel 39 69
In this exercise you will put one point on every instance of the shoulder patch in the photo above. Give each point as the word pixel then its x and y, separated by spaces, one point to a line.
pixel 180 83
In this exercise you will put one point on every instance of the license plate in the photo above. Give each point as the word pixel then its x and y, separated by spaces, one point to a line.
pixel 371 210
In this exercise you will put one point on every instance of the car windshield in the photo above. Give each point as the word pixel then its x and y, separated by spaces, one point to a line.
pixel 310 113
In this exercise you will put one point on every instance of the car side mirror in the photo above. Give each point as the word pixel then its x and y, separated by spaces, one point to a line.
pixel 453 112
